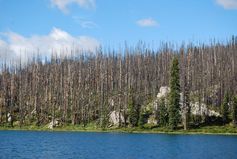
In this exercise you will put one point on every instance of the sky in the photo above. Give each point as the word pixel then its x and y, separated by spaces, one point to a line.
pixel 47 26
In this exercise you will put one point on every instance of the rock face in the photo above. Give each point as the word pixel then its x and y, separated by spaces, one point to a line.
pixel 196 108
pixel 164 91
pixel 114 118
pixel 202 109
pixel 54 123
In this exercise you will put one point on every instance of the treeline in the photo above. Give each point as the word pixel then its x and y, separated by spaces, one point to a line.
pixel 86 87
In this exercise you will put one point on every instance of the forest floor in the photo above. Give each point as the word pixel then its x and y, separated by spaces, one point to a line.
pixel 223 130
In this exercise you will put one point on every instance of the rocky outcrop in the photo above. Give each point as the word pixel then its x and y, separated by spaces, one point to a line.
pixel 202 109
pixel 114 118
pixel 164 91
pixel 54 123
pixel 196 108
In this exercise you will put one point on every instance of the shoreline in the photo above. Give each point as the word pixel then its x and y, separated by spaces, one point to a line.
pixel 123 130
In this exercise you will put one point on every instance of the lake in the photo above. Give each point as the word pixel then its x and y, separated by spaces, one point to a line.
pixel 85 145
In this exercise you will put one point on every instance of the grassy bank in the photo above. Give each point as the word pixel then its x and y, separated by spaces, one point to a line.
pixel 225 130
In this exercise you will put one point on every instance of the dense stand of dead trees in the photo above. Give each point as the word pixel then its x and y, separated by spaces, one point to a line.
pixel 83 88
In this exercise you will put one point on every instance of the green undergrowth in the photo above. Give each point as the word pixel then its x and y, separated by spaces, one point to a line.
pixel 225 129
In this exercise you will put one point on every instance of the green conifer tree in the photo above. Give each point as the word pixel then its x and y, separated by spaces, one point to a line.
pixel 143 116
pixel 225 108
pixel 133 111
pixel 163 113
pixel 234 113
pixel 174 96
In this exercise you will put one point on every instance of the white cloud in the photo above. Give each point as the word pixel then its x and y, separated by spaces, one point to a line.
pixel 63 4
pixel 84 23
pixel 228 4
pixel 88 24
pixel 57 41
pixel 4 54
pixel 2 44
pixel 148 22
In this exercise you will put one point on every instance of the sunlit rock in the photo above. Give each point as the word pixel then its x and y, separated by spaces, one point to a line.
pixel 164 91
pixel 54 123
pixel 115 117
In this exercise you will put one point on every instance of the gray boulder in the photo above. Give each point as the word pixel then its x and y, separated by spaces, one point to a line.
pixel 54 123
pixel 114 118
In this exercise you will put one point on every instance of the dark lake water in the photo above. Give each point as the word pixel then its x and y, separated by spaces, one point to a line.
pixel 46 145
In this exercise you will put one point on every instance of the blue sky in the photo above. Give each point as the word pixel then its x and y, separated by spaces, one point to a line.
pixel 111 22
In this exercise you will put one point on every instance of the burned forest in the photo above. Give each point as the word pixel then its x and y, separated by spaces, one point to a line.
pixel 95 87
